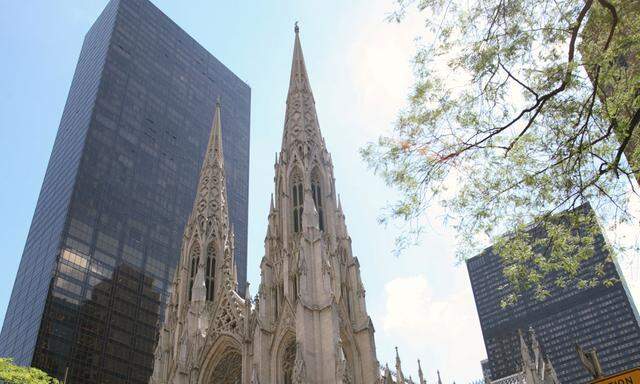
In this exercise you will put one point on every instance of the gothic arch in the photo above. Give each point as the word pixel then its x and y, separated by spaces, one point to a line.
pixel 210 269
pixel 223 362
pixel 283 360
pixel 193 259
pixel 296 190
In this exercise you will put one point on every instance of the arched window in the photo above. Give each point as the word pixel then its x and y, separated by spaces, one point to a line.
pixel 210 271
pixel 297 193
pixel 288 362
pixel 316 192
pixel 193 267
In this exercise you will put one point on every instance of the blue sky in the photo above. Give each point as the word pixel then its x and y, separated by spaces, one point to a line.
pixel 360 72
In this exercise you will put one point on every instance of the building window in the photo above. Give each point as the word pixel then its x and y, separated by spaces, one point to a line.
pixel 210 271
pixel 288 362
pixel 297 193
pixel 317 197
pixel 194 258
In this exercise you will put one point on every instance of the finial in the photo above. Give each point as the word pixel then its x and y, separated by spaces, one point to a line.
pixel 296 28
pixel 218 100
pixel 247 293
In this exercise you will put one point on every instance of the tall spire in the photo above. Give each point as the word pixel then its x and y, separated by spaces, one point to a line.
pixel 420 373
pixel 301 122
pixel 214 155
pixel 387 375
pixel 524 351
pixel 299 81
pixel 535 346
pixel 399 374
pixel 211 198
pixel 217 133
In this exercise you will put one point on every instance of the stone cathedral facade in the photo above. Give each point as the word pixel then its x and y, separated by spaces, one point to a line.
pixel 308 322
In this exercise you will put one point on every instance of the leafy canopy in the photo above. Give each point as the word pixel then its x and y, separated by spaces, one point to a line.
pixel 521 109
pixel 15 374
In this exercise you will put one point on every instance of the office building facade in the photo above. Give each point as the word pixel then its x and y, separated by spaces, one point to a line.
pixel 105 236
pixel 600 317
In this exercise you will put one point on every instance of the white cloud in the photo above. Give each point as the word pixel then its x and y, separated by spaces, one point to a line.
pixel 443 331
pixel 379 66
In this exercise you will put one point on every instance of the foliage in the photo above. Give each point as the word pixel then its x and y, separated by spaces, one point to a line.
pixel 521 109
pixel 15 374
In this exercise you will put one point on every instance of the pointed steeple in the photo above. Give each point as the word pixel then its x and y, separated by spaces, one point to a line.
pixel 399 374
pixel 299 78
pixel 210 211
pixel 387 375
pixel 535 346
pixel 420 373
pixel 214 155
pixel 524 351
pixel 217 133
pixel 211 197
pixel 301 122
pixel 439 379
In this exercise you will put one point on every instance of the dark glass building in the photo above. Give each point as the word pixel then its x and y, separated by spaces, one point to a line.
pixel 107 228
pixel 602 317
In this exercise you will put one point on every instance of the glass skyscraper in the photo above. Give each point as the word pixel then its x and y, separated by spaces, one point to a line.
pixel 107 228
pixel 600 317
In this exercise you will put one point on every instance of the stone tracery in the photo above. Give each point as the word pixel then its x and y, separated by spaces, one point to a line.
pixel 288 361
pixel 228 370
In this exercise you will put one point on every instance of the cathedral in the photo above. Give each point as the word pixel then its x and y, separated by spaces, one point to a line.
pixel 308 322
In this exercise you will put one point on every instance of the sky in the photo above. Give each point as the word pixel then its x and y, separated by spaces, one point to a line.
pixel 360 71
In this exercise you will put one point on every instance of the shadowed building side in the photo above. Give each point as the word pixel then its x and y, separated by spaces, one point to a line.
pixel 118 191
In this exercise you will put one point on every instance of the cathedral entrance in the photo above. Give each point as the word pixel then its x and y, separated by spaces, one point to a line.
pixel 228 370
